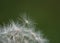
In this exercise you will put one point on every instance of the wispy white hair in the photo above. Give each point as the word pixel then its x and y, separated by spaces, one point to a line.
pixel 16 33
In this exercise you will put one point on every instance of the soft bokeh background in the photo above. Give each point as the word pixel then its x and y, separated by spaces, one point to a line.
pixel 44 12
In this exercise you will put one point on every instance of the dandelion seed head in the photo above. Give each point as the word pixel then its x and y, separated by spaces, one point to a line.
pixel 14 33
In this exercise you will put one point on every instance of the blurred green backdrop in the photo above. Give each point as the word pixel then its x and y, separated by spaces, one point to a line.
pixel 44 12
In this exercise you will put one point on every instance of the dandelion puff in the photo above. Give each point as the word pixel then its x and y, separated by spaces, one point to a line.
pixel 15 33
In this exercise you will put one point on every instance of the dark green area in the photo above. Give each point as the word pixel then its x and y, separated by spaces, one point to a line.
pixel 45 12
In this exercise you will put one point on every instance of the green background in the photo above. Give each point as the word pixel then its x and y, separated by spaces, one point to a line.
pixel 44 12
